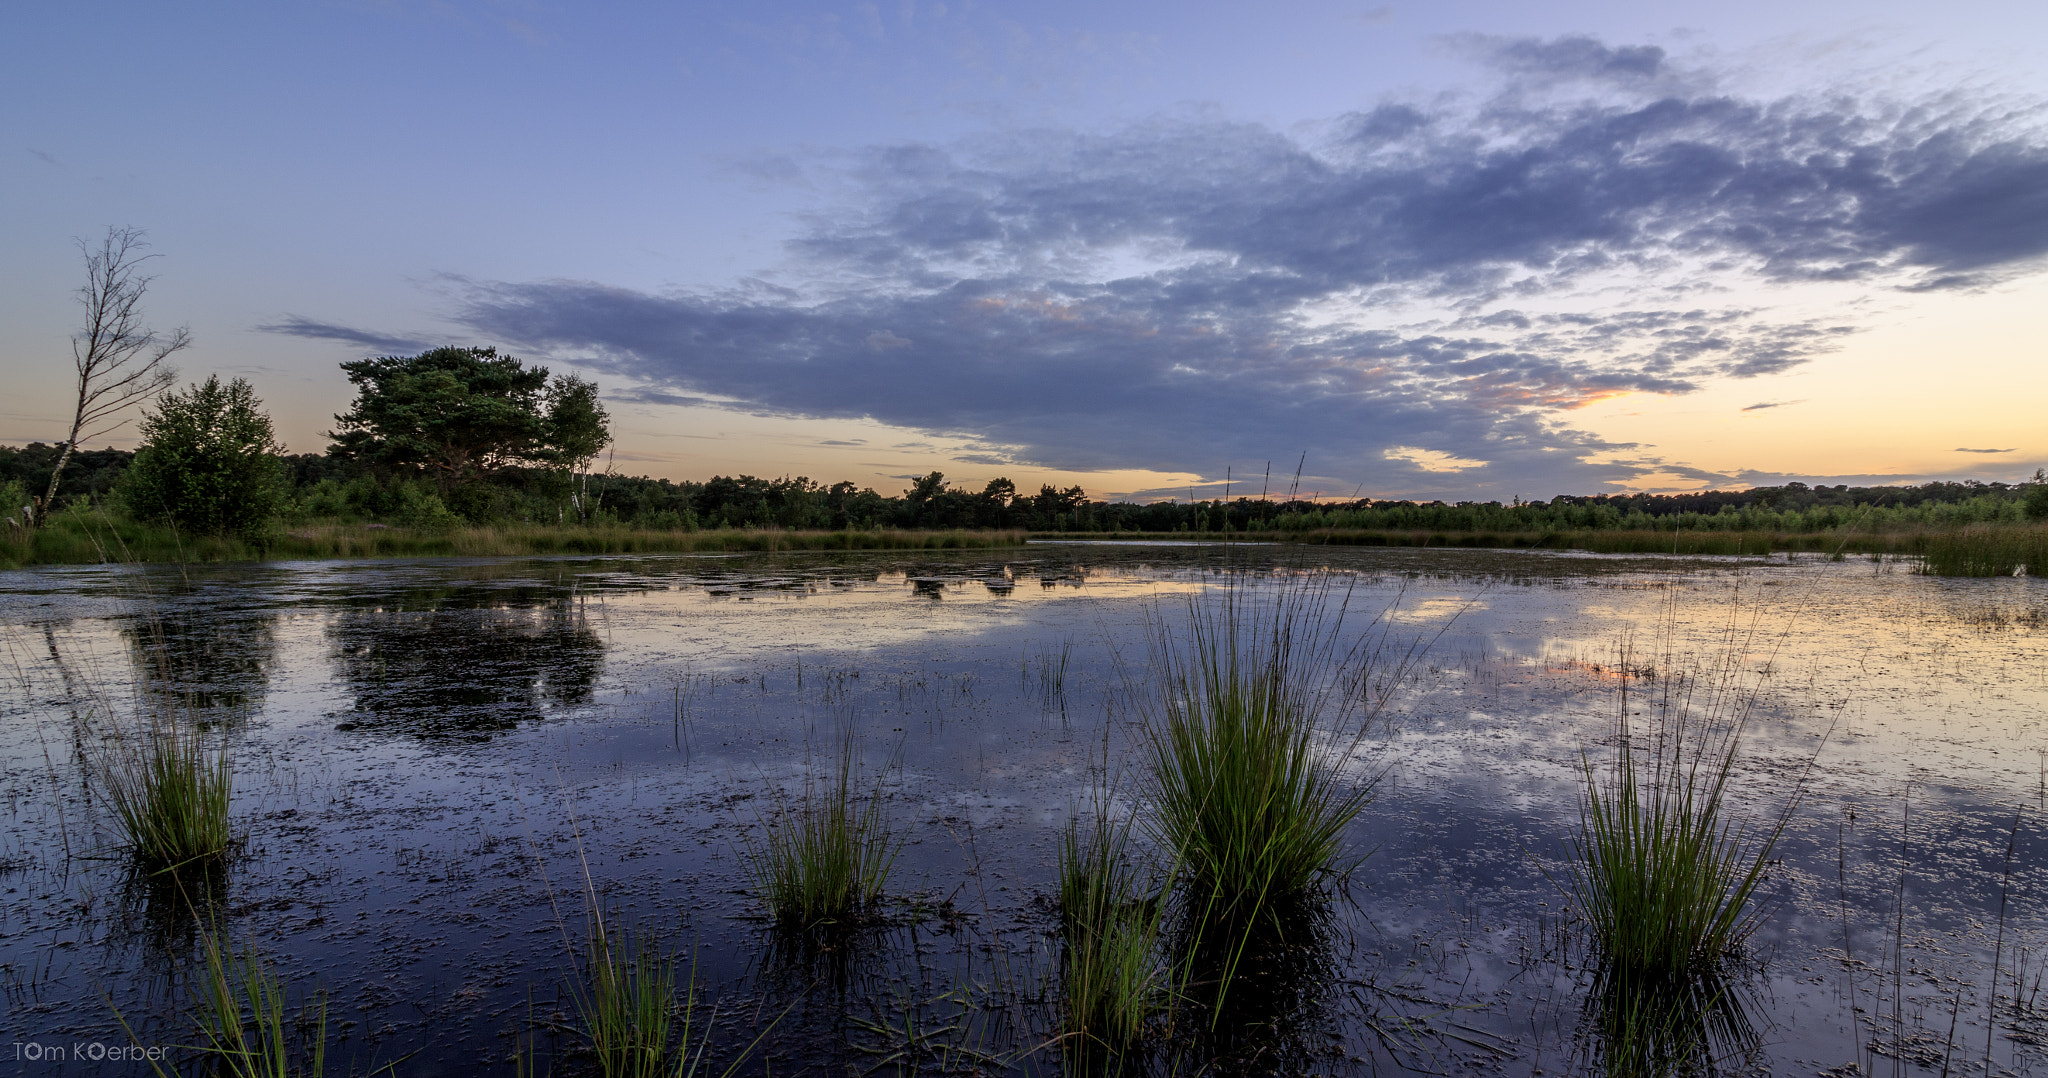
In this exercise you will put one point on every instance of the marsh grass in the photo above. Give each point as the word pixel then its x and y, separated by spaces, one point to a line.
pixel 1660 868
pixel 1956 550
pixel 1109 927
pixel 1243 770
pixel 629 1004
pixel 248 1025
pixel 823 858
pixel 245 1021
pixel 89 536
pixel 169 790
pixel 1252 710
pixel 1988 550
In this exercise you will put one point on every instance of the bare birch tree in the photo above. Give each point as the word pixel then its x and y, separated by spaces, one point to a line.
pixel 120 361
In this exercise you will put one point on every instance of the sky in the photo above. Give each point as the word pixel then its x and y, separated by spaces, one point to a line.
pixel 1456 250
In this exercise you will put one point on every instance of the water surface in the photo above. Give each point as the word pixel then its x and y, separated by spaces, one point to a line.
pixel 438 760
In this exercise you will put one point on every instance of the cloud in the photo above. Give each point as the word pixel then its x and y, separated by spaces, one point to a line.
pixel 1431 460
pixel 1191 293
pixel 1764 405
pixel 1987 450
pixel 295 326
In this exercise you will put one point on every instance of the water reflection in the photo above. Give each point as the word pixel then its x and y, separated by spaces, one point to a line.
pixel 464 665
pixel 1650 1026
pixel 163 918
pixel 214 662
pixel 1259 992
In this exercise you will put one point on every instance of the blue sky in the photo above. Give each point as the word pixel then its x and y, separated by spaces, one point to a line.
pixel 1471 250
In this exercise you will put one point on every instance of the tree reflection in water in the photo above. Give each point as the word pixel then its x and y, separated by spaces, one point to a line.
pixel 213 663
pixel 464 665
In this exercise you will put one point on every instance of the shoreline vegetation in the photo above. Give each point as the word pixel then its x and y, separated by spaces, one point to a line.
pixel 85 536
pixel 1952 550
pixel 335 506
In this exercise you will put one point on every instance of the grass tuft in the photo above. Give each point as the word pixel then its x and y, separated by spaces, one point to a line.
pixel 825 858
pixel 246 1025
pixel 1662 873
pixel 170 792
pixel 1110 970
pixel 1246 793
pixel 628 1002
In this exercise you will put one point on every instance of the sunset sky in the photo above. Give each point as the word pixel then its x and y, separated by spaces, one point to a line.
pixel 1460 250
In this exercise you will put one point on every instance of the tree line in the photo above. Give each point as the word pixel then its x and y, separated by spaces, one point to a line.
pixel 327 486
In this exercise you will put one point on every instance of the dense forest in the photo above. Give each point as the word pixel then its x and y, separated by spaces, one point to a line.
pixel 335 488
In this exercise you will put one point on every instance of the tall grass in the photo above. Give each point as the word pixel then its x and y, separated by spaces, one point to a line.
pixel 1243 775
pixel 1948 550
pixel 245 1022
pixel 170 791
pixel 1988 550
pixel 824 858
pixel 1110 929
pixel 628 1002
pixel 92 536
pixel 1661 870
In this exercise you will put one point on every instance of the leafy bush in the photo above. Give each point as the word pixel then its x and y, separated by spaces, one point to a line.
pixel 423 509
pixel 208 462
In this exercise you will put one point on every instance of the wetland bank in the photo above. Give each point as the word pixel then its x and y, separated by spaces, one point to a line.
pixel 438 764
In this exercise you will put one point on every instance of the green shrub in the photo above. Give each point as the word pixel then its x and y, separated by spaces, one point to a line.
pixel 2036 500
pixel 423 509
pixel 208 462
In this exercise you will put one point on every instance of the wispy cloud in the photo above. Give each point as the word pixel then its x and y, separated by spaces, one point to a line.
pixel 2015 450
pixel 296 326
pixel 1766 405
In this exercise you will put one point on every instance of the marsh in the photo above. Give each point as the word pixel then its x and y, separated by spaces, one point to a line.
pixel 439 764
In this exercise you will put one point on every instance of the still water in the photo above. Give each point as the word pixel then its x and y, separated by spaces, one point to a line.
pixel 438 762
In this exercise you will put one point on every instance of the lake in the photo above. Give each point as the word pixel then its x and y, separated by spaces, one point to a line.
pixel 439 762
